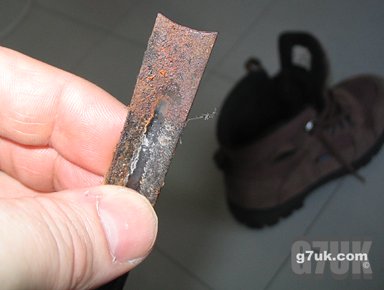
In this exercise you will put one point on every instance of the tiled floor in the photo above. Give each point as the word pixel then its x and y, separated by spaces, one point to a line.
pixel 199 245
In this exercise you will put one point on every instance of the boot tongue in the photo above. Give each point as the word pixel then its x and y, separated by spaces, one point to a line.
pixel 328 118
pixel 293 91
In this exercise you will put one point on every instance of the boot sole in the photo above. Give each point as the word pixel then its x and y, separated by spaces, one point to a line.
pixel 259 218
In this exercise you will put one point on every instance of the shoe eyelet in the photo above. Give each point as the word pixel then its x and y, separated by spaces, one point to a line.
pixel 309 126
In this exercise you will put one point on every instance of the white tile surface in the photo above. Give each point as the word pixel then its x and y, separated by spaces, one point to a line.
pixel 105 14
pixel 12 12
pixel 138 24
pixel 351 32
pixel 201 235
pixel 355 213
pixel 113 64
pixel 51 38
pixel 160 272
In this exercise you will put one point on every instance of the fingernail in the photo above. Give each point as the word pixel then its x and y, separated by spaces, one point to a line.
pixel 130 224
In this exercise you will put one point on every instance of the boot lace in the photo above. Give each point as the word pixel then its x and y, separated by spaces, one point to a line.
pixel 332 117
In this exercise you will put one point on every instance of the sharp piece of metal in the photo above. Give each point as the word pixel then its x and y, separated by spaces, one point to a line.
pixel 173 65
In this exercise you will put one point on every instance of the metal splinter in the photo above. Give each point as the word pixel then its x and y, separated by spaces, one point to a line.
pixel 170 74
pixel 166 86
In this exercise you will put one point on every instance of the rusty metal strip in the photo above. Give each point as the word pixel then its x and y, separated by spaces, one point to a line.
pixel 173 65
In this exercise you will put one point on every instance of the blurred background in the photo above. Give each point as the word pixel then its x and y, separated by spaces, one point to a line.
pixel 200 246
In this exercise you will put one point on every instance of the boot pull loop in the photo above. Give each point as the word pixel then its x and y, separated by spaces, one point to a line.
pixel 318 65
pixel 317 72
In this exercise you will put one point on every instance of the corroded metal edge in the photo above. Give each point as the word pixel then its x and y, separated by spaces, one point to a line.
pixel 171 71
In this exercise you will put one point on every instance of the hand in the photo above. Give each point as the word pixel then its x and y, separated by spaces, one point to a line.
pixel 59 228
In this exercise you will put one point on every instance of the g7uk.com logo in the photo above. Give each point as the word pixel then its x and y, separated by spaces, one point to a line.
pixel 343 258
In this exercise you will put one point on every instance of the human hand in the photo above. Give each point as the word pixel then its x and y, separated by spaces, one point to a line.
pixel 59 228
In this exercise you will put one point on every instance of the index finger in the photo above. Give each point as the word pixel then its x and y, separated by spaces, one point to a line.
pixel 43 106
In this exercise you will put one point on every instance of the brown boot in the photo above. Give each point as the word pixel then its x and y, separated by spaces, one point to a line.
pixel 268 176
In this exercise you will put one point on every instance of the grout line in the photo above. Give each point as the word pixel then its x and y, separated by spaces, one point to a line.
pixel 79 20
pixel 306 231
pixel 246 32
pixel 328 201
pixel 222 76
pixel 183 268
pixel 18 20
pixel 71 18
pixel 104 32
pixel 98 28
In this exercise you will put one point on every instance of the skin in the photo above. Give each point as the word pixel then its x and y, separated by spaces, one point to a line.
pixel 59 227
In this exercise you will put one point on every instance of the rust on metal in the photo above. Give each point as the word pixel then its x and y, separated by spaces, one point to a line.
pixel 172 67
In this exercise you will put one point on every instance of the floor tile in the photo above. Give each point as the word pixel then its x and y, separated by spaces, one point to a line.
pixel 51 38
pixel 138 24
pixel 354 213
pixel 105 14
pixel 11 13
pixel 113 64
pixel 348 30
pixel 202 236
pixel 160 272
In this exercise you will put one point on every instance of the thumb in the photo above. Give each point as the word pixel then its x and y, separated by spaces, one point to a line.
pixel 74 239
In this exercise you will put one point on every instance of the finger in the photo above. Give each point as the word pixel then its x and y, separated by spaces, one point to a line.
pixel 74 239
pixel 43 169
pixel 11 188
pixel 43 106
